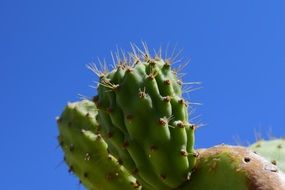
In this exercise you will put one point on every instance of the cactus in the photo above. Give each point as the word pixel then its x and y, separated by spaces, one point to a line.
pixel 135 134
pixel 273 150
pixel 144 118
pixel 234 168
pixel 86 151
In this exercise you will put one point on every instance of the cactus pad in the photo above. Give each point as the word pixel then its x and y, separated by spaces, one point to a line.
pixel 86 152
pixel 144 118
pixel 234 168
pixel 273 150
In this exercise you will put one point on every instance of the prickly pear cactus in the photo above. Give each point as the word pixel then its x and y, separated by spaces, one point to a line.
pixel 144 118
pixel 273 150
pixel 86 152
pixel 234 168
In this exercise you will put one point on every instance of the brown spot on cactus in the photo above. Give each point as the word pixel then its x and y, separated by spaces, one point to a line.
pixel 85 174
pixel 71 147
pixel 183 153
pixel 273 150
pixel 162 121
pixel 167 82
pixel 234 168
pixel 166 99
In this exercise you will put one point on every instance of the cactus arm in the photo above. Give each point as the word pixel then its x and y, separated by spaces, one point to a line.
pixel 86 152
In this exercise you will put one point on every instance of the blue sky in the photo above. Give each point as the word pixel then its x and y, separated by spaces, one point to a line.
pixel 236 50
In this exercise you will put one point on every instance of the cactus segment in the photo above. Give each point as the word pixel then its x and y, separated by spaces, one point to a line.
pixel 273 150
pixel 86 153
pixel 144 116
pixel 235 168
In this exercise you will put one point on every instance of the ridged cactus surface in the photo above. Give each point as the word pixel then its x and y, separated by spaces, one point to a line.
pixel 136 134
pixel 234 168
pixel 273 150
pixel 86 152
pixel 144 118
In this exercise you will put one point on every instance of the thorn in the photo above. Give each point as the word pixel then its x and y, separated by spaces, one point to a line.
pixel 71 147
pixel 179 82
pixel 146 57
pixel 129 70
pixel 157 58
pixel 142 93
pixel 150 76
pixel 87 156
pixel 167 98
pixel 137 60
pixel 183 152
pixel 182 101
pixel 151 62
pixel 192 126
pixel 167 82
pixel 108 84
pixel 167 62
pixel 162 121
pixel 180 124
pixel 195 154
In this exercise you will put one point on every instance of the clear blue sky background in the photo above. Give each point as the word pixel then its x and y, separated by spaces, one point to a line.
pixel 237 51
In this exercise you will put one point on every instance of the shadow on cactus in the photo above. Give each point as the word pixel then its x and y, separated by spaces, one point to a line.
pixel 135 134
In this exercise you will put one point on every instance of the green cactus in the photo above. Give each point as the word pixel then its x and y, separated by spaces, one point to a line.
pixel 144 119
pixel 136 135
pixel 234 168
pixel 273 150
pixel 86 152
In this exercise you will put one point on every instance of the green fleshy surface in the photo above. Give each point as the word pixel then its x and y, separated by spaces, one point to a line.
pixel 217 172
pixel 144 116
pixel 273 150
pixel 86 152
pixel 226 167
